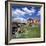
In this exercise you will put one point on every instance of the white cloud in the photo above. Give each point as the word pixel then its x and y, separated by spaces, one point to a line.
pixel 18 12
pixel 30 12
pixel 38 13
pixel 33 10
pixel 26 10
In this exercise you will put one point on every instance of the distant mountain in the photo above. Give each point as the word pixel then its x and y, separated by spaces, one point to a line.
pixel 19 20
pixel 29 18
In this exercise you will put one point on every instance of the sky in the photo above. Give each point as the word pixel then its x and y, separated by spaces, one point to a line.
pixel 25 12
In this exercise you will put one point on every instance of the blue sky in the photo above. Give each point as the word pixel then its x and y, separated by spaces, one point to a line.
pixel 22 11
